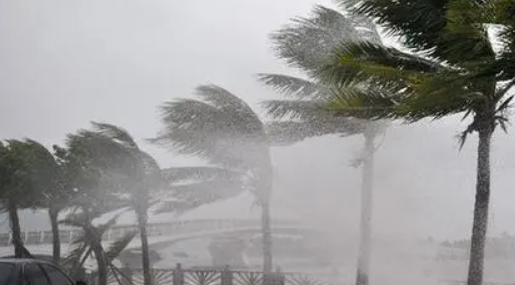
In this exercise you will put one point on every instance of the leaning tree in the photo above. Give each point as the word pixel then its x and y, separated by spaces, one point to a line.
pixel 452 66
pixel 224 130
pixel 306 44
pixel 135 174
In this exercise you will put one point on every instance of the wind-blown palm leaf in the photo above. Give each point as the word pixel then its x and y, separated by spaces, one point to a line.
pixel 356 64
pixel 116 248
pixel 419 25
pixel 115 133
pixel 307 116
pixel 284 133
pixel 219 128
pixel 307 41
pixel 80 247
pixel 295 87
pixel 296 109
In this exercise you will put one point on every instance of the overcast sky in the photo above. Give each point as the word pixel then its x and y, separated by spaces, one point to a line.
pixel 64 63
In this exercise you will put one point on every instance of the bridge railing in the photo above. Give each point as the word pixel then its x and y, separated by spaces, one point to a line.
pixel 153 230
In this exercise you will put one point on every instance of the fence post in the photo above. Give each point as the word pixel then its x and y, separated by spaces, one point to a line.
pixel 277 278
pixel 226 276
pixel 178 275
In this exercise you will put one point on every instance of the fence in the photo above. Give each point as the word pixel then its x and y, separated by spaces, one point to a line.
pixel 211 276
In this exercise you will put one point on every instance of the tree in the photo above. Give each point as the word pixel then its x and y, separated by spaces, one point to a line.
pixel 451 67
pixel 224 130
pixel 58 197
pixel 96 194
pixel 134 172
pixel 306 44
pixel 26 172
pixel 89 244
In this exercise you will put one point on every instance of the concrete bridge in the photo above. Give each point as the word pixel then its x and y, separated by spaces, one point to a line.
pixel 160 234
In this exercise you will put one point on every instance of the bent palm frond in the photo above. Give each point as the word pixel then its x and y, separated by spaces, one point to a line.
pixel 294 87
pixel 218 127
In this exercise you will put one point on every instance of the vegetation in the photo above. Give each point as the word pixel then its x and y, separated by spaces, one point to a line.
pixel 306 44
pixel 451 67
pixel 353 83
pixel 224 130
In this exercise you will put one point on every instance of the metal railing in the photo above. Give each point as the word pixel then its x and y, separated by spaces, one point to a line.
pixel 153 230
pixel 208 276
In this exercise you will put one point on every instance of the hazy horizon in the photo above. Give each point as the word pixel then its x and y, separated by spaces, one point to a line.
pixel 65 64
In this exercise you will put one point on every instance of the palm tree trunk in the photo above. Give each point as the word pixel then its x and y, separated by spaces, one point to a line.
pixel 266 232
pixel 362 274
pixel 480 223
pixel 14 221
pixel 145 252
pixel 267 238
pixel 101 262
pixel 94 238
pixel 56 238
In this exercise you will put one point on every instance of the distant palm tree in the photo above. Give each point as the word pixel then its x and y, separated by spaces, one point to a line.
pixel 225 131
pixel 306 44
pixel 134 172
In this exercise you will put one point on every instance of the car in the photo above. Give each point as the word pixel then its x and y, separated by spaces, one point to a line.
pixel 26 271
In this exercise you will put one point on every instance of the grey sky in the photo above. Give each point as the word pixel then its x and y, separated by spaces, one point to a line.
pixel 64 63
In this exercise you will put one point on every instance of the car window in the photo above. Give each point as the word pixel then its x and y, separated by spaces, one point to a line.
pixel 34 275
pixel 7 274
pixel 56 276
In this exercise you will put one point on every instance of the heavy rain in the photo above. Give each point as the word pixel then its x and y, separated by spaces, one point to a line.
pixel 246 142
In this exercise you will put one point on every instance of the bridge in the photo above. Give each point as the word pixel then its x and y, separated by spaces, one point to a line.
pixel 159 234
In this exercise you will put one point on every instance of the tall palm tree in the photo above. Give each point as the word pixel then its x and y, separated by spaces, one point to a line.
pixel 27 170
pixel 224 130
pixel 306 44
pixel 138 174
pixel 452 68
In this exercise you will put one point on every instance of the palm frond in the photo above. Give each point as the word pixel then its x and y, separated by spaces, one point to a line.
pixel 307 42
pixel 294 87
pixel 78 252
pixel 370 104
pixel 114 250
pixel 222 128
pixel 283 133
pixel 368 64
pixel 426 26
pixel 115 133
pixel 296 109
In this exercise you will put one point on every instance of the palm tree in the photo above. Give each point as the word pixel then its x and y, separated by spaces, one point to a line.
pixel 306 44
pixel 224 130
pixel 27 172
pixel 89 244
pixel 452 68
pixel 138 174
pixel 58 197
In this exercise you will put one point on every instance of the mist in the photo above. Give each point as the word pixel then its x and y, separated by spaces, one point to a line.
pixel 66 63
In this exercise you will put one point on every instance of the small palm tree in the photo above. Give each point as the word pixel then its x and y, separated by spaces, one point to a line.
pixel 89 244
pixel 224 130
pixel 452 68
pixel 306 44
